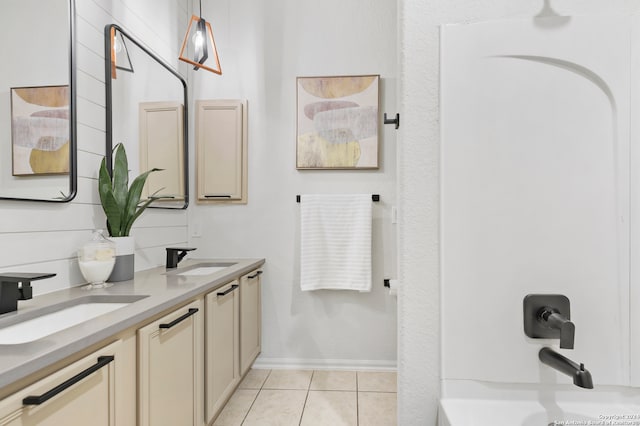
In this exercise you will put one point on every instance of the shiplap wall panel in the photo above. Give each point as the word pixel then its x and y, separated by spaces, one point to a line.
pixel 89 113
pixel 90 62
pixel 87 191
pixel 44 246
pixel 19 218
pixel 45 237
pixel 94 14
pixel 47 246
pixel 89 163
pixel 156 218
pixel 92 88
pixel 90 139
pixel 159 237
pixel 90 36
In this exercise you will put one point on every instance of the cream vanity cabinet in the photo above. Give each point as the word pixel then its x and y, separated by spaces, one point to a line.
pixel 250 319
pixel 222 334
pixel 170 369
pixel 83 393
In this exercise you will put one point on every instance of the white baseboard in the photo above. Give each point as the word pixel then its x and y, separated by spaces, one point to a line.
pixel 324 364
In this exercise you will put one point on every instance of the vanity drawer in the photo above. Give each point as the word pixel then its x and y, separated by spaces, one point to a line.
pixel 82 393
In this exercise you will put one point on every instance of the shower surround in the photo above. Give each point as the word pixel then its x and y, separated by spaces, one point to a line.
pixel 540 178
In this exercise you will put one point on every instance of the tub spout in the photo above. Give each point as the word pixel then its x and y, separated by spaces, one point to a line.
pixel 581 376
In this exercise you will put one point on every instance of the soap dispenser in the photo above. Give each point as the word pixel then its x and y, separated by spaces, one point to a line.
pixel 96 259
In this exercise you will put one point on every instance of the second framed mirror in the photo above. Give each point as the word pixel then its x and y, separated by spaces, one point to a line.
pixel 146 111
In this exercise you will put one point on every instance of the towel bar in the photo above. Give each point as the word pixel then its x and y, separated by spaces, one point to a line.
pixel 374 197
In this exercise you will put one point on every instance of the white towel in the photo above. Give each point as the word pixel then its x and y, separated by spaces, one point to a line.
pixel 335 249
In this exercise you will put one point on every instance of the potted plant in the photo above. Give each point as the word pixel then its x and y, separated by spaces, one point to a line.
pixel 122 206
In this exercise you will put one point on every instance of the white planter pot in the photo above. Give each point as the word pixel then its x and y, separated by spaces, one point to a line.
pixel 124 267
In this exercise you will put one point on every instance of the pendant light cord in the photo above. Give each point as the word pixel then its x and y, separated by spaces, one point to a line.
pixel 200 9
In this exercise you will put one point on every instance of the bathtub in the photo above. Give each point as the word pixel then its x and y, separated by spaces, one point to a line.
pixel 469 412
pixel 513 405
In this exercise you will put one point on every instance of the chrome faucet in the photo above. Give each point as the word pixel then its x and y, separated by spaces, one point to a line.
pixel 16 286
pixel 175 255
pixel 581 376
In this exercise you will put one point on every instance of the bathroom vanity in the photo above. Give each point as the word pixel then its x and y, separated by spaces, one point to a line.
pixel 170 350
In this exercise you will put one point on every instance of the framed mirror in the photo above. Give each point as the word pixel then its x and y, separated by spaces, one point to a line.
pixel 146 107
pixel 37 101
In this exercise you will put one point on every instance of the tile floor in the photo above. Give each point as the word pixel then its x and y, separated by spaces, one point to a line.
pixel 312 398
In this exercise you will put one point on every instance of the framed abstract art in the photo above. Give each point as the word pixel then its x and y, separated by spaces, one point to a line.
pixel 40 130
pixel 337 122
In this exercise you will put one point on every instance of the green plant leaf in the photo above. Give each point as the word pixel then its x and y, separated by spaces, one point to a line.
pixel 114 215
pixel 109 204
pixel 120 175
pixel 104 181
pixel 135 192
pixel 138 212
pixel 120 203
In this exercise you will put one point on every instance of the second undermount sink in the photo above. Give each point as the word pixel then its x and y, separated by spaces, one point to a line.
pixel 40 323
pixel 205 268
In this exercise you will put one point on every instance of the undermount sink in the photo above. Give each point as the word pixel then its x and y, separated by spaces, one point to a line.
pixel 204 268
pixel 39 323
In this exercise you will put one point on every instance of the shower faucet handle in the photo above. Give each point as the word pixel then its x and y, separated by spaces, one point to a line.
pixel 548 316
pixel 555 320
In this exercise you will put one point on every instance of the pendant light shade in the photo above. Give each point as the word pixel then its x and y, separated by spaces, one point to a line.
pixel 198 47
pixel 120 59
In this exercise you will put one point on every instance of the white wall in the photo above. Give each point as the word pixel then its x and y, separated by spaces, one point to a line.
pixel 418 181
pixel 263 47
pixel 44 237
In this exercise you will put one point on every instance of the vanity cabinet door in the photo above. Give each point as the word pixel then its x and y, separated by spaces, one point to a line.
pixel 221 151
pixel 83 393
pixel 250 319
pixel 169 369
pixel 221 346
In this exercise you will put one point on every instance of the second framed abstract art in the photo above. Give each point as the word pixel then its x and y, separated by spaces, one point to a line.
pixel 337 122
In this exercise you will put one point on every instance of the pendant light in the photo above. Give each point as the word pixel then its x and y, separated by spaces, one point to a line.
pixel 120 58
pixel 199 39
